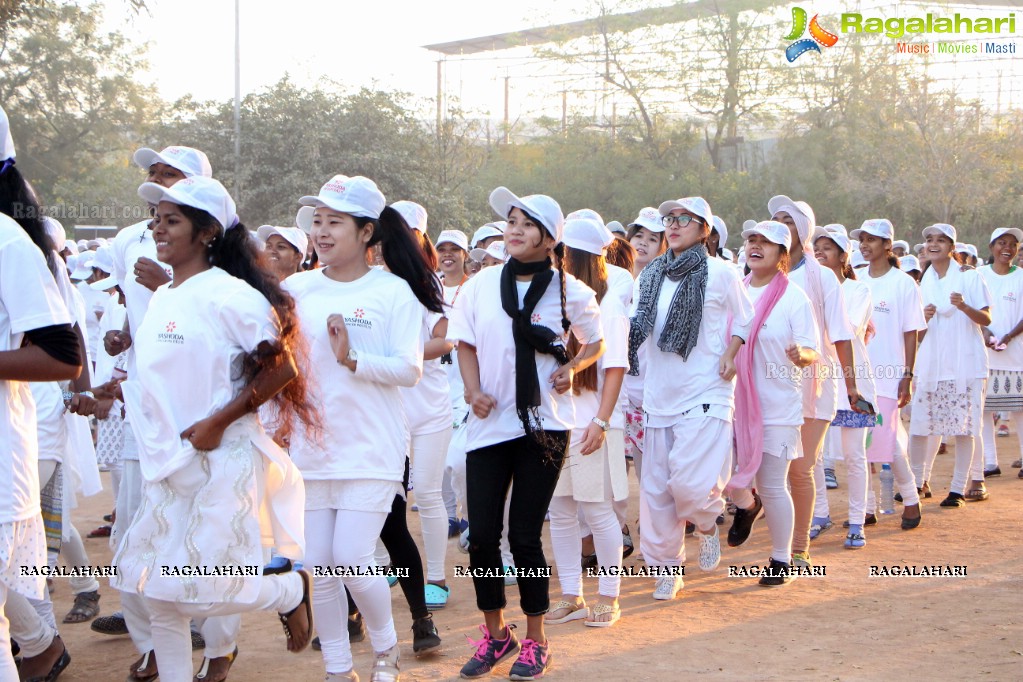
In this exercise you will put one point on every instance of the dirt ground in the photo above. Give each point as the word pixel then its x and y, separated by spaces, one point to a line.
pixel 843 626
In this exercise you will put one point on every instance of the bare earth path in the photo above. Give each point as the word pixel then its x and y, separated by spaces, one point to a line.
pixel 843 626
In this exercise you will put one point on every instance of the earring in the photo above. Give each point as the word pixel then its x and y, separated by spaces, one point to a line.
pixel 209 245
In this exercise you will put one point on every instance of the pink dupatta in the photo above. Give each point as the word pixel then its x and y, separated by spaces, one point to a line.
pixel 749 427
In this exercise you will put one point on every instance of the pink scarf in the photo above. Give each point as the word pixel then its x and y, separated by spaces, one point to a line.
pixel 749 427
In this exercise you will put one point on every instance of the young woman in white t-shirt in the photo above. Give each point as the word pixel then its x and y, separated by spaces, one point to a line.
pixel 593 477
pixel 897 316
pixel 364 327
pixel 214 345
pixel 832 250
pixel 951 367
pixel 1004 339
pixel 520 424
pixel 768 396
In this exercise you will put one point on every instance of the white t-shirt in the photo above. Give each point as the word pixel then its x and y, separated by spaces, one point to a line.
pixel 130 244
pixel 94 307
pixel 673 386
pixel 479 320
pixel 427 404
pixel 112 320
pixel 620 283
pixel 456 389
pixel 779 382
pixel 189 351
pixel 858 306
pixel 953 348
pixel 615 325
pixel 896 308
pixel 28 300
pixel 365 430
pixel 1006 313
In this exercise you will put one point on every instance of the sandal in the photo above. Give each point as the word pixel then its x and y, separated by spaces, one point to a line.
pixel 436 596
pixel 144 669
pixel 101 532
pixel 85 608
pixel 953 500
pixel 601 610
pixel 296 634
pixel 976 495
pixel 572 611
pixel 63 661
pixel 215 669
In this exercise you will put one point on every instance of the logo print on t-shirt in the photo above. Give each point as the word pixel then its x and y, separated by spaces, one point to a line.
pixel 1010 297
pixel 358 319
pixel 171 326
pixel 882 307
pixel 169 336
pixel 536 319
pixel 360 313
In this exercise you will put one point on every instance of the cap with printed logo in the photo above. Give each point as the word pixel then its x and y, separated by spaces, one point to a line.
pixel 943 229
pixel 456 237
pixel 881 228
pixel 587 234
pixel 357 196
pixel 205 194
pixel 649 218
pixel 698 206
pixel 413 213
pixel 495 250
pixel 771 230
pixel 293 235
pixel 189 161
pixel 540 206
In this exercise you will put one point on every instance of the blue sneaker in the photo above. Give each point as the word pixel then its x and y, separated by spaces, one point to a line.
pixel 534 661
pixel 855 539
pixel 489 653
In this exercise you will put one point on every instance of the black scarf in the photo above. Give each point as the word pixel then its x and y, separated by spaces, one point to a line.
pixel 529 338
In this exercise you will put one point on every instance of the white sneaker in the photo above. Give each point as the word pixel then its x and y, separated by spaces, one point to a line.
pixel 710 550
pixel 667 587
pixel 509 576
pixel 463 541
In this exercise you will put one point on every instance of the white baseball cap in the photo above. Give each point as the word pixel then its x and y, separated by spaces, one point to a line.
pixel 722 230
pixel 540 206
pixel 293 235
pixel 698 206
pixel 82 244
pixel 495 250
pixel 878 227
pixel 587 234
pixel 56 233
pixel 104 284
pixel 943 229
pixel 837 237
pixel 205 194
pixel 837 228
pixel 615 227
pixel 357 196
pixel 189 161
pixel 6 140
pixel 1014 231
pixel 727 253
pixel 918 248
pixel 486 232
pixel 649 218
pixel 585 213
pixel 304 218
pixel 968 249
pixel 102 259
pixel 413 213
pixel 784 203
pixel 901 242
pixel 771 230
pixel 456 237
pixel 81 270
pixel 857 260
pixel 908 263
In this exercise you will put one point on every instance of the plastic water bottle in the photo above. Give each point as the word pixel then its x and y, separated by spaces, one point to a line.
pixel 887 502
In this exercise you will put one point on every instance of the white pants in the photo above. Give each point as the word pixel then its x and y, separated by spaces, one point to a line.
pixel 455 464
pixel 685 469
pixel 990 449
pixel 220 634
pixel 922 455
pixel 129 497
pixel 172 635
pixel 32 633
pixel 429 453
pixel 8 670
pixel 772 486
pixel 567 542
pixel 74 553
pixel 853 444
pixel 347 539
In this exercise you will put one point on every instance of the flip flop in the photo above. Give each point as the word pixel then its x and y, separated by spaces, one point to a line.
pixel 600 610
pixel 573 613
pixel 294 645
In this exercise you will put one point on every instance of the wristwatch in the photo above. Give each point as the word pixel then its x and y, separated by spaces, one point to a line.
pixel 353 356
pixel 604 426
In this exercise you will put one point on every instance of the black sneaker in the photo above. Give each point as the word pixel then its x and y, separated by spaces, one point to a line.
pixel 868 520
pixel 990 473
pixel 954 500
pixel 627 547
pixel 424 635
pixel 778 573
pixel 742 522
pixel 356 628
pixel 110 625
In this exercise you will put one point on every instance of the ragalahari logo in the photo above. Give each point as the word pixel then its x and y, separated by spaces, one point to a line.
pixel 817 36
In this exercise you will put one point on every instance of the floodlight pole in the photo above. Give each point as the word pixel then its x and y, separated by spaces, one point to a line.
pixel 237 100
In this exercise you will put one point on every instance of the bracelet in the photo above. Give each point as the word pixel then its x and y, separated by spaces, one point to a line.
pixel 907 375
pixel 87 394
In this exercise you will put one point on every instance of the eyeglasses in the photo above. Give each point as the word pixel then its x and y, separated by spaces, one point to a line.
pixel 682 220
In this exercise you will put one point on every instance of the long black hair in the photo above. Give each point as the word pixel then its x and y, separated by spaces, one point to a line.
pixel 405 257
pixel 236 253
pixel 19 202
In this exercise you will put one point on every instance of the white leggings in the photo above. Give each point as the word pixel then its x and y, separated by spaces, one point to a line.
pixel 169 621
pixel 990 449
pixel 922 454
pixel 567 542
pixel 8 670
pixel 772 486
pixel 347 539
pixel 429 453
pixel 852 443
pixel 32 633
